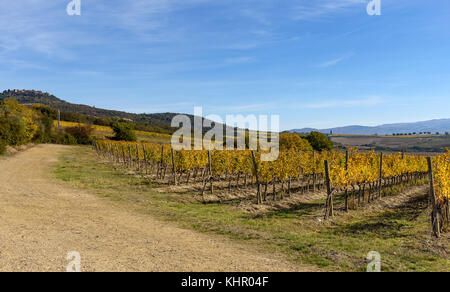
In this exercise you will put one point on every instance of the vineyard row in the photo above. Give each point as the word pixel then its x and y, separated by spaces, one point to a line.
pixel 360 177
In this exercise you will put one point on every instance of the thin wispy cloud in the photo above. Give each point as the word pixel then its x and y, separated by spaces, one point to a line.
pixel 243 45
pixel 20 28
pixel 334 62
pixel 331 63
pixel 315 10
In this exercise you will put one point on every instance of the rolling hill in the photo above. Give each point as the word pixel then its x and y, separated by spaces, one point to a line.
pixel 158 122
pixel 162 120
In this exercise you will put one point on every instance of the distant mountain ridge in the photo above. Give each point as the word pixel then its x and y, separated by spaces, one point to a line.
pixel 433 126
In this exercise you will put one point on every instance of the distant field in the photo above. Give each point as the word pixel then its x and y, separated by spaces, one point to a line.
pixel 394 143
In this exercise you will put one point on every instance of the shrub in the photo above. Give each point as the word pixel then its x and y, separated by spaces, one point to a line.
pixel 124 132
pixel 291 141
pixel 13 131
pixel 2 147
pixel 68 139
pixel 82 134
pixel 18 124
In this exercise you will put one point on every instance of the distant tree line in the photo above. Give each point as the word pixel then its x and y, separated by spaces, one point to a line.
pixel 418 133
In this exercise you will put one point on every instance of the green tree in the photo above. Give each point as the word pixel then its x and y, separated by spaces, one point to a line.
pixel 124 132
pixel 319 141
pixel 291 141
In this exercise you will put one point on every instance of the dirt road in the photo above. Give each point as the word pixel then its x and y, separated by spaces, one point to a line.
pixel 41 220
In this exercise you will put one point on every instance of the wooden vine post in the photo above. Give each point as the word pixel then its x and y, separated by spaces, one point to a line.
pixel 380 180
pixel 105 151
pixel 174 170
pixel 347 158
pixel 109 151
pixel 435 223
pixel 123 155
pixel 329 212
pixel 130 161
pixel 210 172
pixel 255 165
pixel 314 172
pixel 160 170
pixel 138 158
pixel 145 158
pixel 112 154
pixel 209 177
pixel 117 154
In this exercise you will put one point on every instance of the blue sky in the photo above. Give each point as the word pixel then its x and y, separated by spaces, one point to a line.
pixel 316 63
